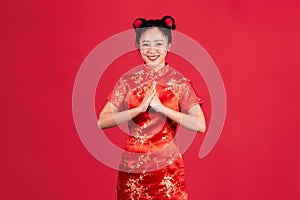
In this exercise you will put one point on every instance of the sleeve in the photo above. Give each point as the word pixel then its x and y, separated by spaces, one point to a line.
pixel 189 98
pixel 118 94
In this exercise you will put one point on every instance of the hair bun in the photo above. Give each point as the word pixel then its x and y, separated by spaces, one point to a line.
pixel 138 22
pixel 169 21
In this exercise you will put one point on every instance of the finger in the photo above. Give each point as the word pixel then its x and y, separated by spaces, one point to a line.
pixel 151 92
pixel 154 84
pixel 150 97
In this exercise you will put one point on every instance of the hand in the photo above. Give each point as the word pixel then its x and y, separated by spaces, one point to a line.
pixel 156 104
pixel 147 99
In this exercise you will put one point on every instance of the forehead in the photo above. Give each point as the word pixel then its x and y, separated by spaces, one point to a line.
pixel 153 34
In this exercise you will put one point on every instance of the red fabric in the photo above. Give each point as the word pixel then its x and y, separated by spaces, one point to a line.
pixel 152 166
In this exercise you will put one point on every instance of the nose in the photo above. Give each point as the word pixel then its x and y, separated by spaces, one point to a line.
pixel 152 49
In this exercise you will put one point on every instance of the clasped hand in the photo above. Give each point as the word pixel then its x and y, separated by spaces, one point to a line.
pixel 151 99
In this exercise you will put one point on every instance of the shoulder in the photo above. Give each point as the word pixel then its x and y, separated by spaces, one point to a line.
pixel 178 76
pixel 133 75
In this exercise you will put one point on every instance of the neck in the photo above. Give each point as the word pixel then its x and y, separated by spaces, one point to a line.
pixel 156 67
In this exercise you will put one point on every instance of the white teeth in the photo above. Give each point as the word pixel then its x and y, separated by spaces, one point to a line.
pixel 153 57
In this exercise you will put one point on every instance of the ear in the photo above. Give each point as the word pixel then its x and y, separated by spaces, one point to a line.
pixel 137 46
pixel 169 46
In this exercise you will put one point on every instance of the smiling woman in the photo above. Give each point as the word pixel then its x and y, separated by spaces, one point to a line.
pixel 153 100
pixel 153 48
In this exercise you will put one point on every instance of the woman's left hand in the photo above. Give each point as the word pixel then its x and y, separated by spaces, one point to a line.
pixel 193 120
pixel 156 104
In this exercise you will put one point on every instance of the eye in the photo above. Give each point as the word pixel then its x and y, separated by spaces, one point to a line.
pixel 159 44
pixel 145 45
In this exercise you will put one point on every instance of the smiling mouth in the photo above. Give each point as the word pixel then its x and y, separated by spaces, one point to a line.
pixel 153 58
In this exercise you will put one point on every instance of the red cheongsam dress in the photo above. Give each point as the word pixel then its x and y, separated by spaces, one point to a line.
pixel 151 166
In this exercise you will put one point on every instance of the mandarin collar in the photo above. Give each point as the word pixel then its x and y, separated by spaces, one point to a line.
pixel 160 72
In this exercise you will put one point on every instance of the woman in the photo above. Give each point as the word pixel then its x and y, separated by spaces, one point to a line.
pixel 153 100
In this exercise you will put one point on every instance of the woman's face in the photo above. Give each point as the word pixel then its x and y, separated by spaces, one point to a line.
pixel 154 47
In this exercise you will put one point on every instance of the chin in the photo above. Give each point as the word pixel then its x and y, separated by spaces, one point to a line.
pixel 154 64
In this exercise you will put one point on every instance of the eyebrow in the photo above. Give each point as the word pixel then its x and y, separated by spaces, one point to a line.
pixel 154 40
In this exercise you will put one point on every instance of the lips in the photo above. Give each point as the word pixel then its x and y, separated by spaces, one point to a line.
pixel 153 58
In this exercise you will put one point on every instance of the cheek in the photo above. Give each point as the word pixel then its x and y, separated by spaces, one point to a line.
pixel 143 55
pixel 141 52
pixel 163 54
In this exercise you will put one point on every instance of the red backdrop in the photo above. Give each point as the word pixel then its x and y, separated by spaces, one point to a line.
pixel 254 44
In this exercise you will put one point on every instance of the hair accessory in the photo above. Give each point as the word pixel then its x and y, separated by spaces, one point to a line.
pixel 138 23
pixel 168 22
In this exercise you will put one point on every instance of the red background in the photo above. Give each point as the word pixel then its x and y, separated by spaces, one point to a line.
pixel 254 44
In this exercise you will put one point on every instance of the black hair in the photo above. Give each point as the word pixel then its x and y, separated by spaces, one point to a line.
pixel 165 25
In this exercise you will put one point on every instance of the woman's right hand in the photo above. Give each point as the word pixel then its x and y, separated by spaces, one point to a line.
pixel 110 116
pixel 147 99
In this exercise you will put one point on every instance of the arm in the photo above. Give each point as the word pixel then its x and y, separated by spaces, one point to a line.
pixel 110 116
pixel 193 120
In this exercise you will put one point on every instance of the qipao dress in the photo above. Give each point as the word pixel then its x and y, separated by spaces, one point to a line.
pixel 152 166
